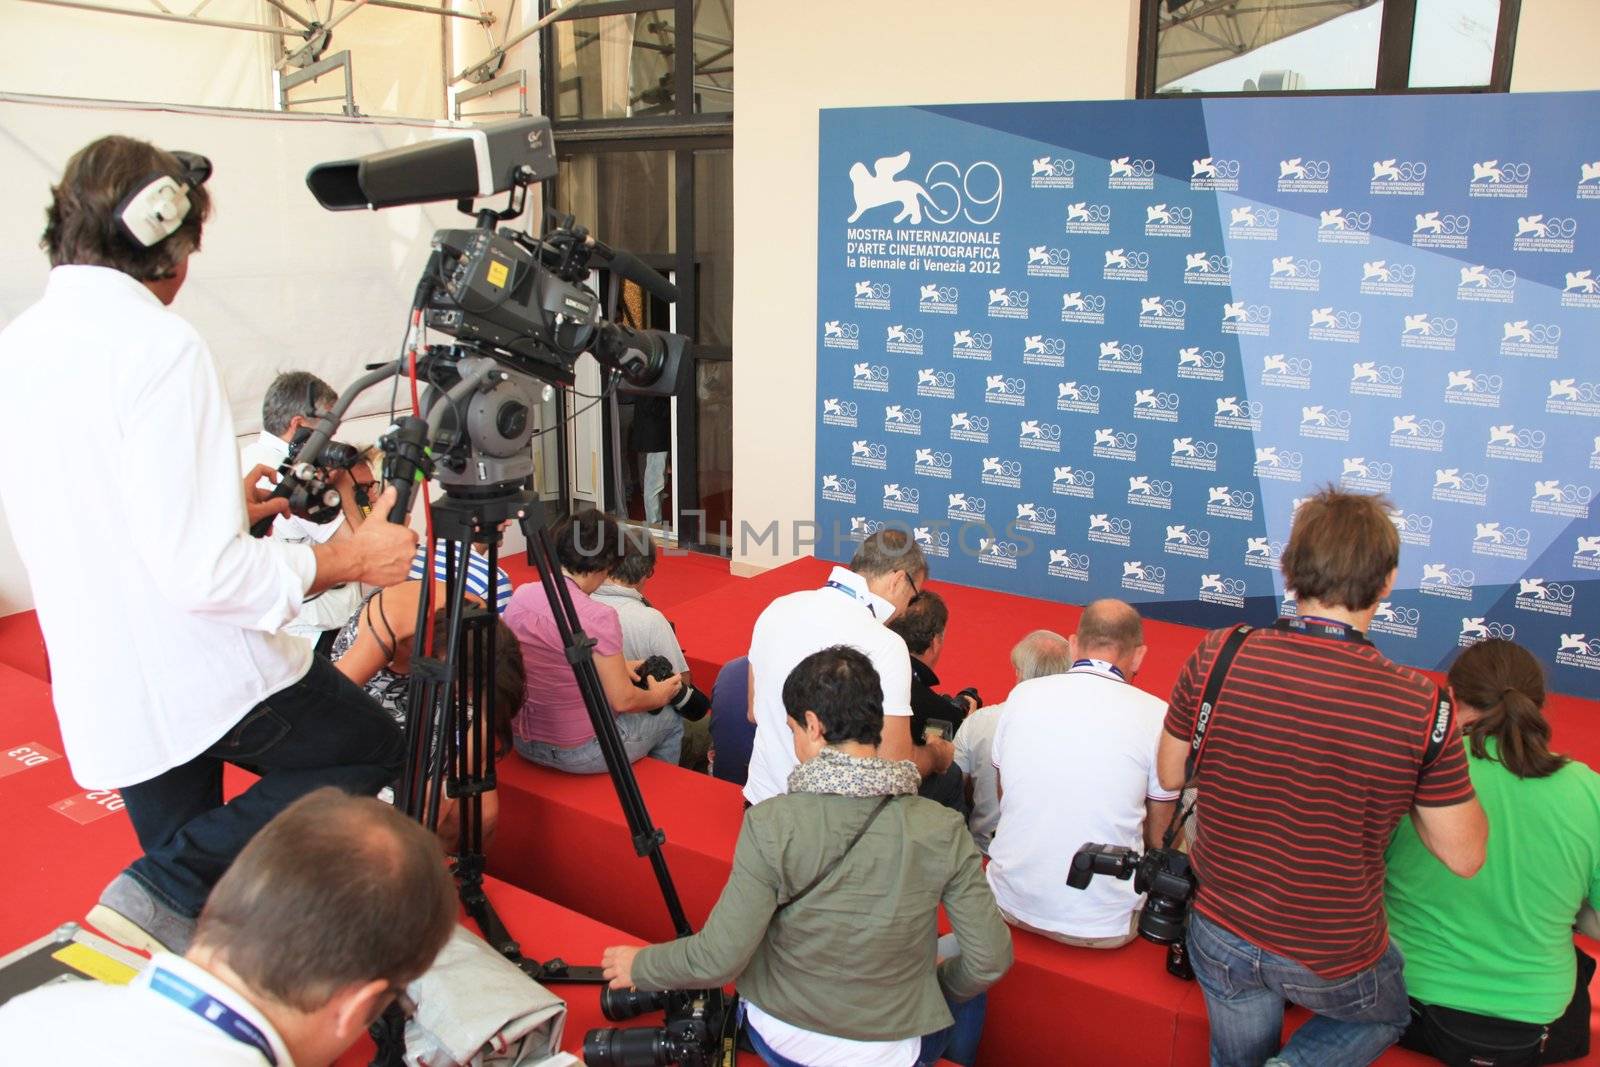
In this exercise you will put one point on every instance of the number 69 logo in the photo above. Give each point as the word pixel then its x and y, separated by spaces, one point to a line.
pixel 967 193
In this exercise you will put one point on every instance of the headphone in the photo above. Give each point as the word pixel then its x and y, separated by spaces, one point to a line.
pixel 155 209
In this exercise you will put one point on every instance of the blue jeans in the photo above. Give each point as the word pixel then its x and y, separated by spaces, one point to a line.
pixel 659 735
pixel 322 730
pixel 957 1042
pixel 1354 1018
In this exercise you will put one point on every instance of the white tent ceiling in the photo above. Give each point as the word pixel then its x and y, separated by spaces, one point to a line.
pixel 404 54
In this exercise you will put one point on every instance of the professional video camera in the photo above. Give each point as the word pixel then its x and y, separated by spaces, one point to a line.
pixel 520 316
pixel 1161 873
pixel 515 303
pixel 699 1030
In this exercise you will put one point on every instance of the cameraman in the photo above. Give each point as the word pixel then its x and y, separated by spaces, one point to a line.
pixel 294 400
pixel 829 922
pixel 198 673
pixel 1315 750
pixel 922 626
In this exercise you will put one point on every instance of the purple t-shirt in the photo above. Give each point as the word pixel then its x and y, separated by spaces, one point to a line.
pixel 552 708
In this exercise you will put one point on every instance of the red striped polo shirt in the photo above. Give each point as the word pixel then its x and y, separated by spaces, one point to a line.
pixel 1313 754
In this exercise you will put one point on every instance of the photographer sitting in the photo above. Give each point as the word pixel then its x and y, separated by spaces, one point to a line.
pixel 292 402
pixel 829 921
pixel 553 728
pixel 199 674
pixel 1316 748
pixel 850 608
pixel 922 626
pixel 1040 653
pixel 327 915
pixel 1075 761
pixel 373 649
pixel 646 632
pixel 1489 962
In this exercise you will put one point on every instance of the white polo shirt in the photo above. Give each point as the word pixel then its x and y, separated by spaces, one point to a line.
pixel 119 476
pixel 133 1025
pixel 974 743
pixel 1076 754
pixel 843 612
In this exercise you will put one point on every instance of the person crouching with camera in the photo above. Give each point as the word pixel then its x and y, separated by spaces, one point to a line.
pixel 1314 750
pixel 829 922
pixel 553 728
pixel 1075 761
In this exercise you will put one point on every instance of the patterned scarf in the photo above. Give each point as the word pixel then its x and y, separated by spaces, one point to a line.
pixel 837 774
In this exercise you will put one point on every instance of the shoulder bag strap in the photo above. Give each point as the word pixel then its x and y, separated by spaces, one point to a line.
pixel 1438 729
pixel 1208 696
pixel 831 867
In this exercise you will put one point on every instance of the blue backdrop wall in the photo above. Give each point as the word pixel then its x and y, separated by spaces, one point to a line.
pixel 1097 349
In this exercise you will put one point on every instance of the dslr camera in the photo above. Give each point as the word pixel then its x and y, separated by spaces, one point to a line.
pixel 1162 874
pixel 698 1024
pixel 690 702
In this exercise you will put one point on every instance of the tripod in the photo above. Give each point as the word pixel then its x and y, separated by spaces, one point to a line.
pixel 451 711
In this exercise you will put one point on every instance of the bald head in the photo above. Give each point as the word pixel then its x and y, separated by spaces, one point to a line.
pixel 1040 653
pixel 1111 630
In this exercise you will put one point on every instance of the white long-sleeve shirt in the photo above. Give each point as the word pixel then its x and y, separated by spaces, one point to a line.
pixel 119 476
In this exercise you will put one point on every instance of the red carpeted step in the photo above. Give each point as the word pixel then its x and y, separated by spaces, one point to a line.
pixel 59 858
pixel 680 576
pixel 563 836
pixel 22 645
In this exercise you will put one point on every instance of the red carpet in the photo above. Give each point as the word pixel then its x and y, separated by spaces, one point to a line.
pixel 715 627
pixel 56 864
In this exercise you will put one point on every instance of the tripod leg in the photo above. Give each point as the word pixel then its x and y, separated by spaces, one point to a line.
pixel 647 837
pixel 419 705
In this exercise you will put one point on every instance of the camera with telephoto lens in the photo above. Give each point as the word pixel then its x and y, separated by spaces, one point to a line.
pixel 959 704
pixel 696 1025
pixel 657 667
pixel 1162 874
pixel 335 455
pixel 319 502
pixel 685 703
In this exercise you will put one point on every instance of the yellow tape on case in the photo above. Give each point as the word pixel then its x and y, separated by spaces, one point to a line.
pixel 81 957
pixel 497 274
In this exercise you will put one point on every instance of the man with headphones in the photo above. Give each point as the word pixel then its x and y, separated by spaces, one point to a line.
pixel 161 614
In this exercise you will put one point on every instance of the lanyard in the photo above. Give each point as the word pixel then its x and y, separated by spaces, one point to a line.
pixel 212 1011
pixel 1098 666
pixel 851 593
pixel 1320 627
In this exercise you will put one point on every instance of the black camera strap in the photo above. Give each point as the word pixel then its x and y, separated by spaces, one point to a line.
pixel 833 866
pixel 1208 696
pixel 1208 704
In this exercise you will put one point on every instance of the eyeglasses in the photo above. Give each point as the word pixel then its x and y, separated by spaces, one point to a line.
pixel 912 582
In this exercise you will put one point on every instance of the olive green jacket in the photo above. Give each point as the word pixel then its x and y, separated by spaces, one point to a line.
pixel 853 958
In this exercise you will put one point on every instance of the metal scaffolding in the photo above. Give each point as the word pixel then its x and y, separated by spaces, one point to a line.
pixel 303 30
pixel 1195 34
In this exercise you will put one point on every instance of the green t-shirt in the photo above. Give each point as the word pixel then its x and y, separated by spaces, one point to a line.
pixel 1500 943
